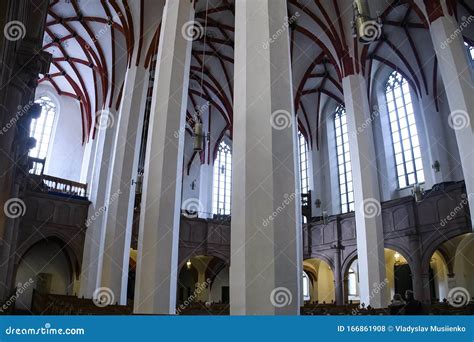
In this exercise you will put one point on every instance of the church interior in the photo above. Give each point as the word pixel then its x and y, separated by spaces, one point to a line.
pixel 236 157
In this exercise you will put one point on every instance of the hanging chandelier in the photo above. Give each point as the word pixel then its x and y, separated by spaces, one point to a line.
pixel 367 29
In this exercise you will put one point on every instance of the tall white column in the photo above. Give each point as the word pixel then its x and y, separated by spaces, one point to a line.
pixel 368 212
pixel 266 260
pixel 157 264
pixel 121 197
pixel 99 185
pixel 455 69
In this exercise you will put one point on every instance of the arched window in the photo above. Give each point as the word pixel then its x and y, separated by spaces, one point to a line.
pixel 222 180
pixel 406 144
pixel 42 128
pixel 344 161
pixel 303 149
pixel 470 49
pixel 306 295
pixel 352 285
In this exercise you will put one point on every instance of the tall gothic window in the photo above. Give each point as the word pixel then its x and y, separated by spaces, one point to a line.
pixel 222 180
pixel 470 49
pixel 303 163
pixel 306 287
pixel 42 128
pixel 344 161
pixel 406 144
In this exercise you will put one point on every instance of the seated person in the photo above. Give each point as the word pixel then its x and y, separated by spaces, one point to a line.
pixel 397 305
pixel 412 306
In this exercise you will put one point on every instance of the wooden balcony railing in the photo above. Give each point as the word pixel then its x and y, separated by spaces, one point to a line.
pixel 45 183
pixel 36 165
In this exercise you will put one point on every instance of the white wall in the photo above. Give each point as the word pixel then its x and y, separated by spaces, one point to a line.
pixel 66 151
pixel 222 279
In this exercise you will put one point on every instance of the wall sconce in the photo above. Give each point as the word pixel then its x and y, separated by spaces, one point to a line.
pixel 138 183
pixel 199 137
pixel 436 166
pixel 367 29
pixel 188 264
pixel 417 192
pixel 396 257
pixel 325 217
pixel 318 203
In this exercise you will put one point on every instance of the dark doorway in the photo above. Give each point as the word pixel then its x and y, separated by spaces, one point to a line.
pixel 225 294
pixel 403 280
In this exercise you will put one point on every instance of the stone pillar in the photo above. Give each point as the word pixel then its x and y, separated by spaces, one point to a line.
pixel 99 188
pixel 123 176
pixel 157 264
pixel 338 277
pixel 202 288
pixel 346 289
pixel 455 69
pixel 451 282
pixel 433 123
pixel 368 212
pixel 266 253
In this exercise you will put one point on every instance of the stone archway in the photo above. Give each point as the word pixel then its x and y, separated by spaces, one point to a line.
pixel 322 290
